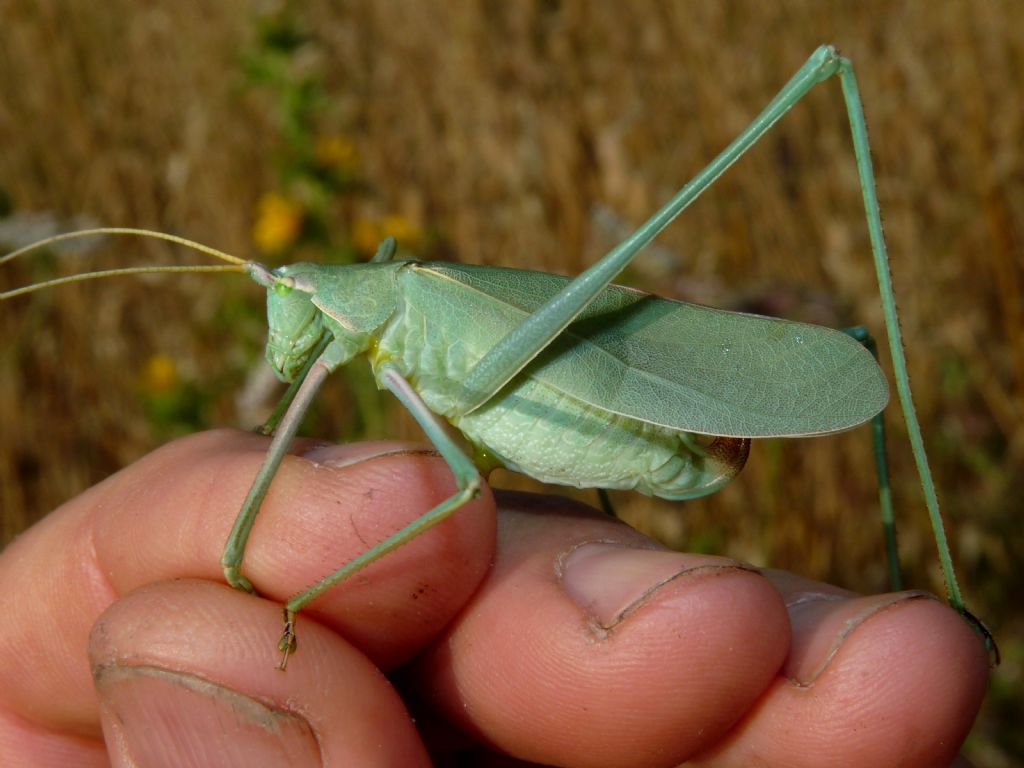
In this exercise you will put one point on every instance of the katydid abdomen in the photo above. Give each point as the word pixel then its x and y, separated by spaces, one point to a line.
pixel 549 435
pixel 591 448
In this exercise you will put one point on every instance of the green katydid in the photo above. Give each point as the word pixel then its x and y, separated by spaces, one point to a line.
pixel 574 381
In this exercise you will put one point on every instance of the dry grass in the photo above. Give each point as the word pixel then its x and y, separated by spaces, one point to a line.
pixel 534 135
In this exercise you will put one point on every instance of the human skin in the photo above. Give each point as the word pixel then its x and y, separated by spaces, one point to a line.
pixel 539 630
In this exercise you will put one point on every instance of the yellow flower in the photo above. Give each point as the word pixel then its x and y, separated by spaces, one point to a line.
pixel 159 375
pixel 401 228
pixel 336 151
pixel 278 222
pixel 368 233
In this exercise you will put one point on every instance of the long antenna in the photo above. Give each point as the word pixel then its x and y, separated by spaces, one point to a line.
pixel 236 264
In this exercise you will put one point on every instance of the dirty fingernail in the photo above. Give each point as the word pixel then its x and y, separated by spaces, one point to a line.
pixel 610 580
pixel 823 620
pixel 153 716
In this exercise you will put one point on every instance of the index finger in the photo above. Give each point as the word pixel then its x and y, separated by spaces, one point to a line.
pixel 168 516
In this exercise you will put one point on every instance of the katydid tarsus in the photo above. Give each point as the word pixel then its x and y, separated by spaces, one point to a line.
pixel 575 381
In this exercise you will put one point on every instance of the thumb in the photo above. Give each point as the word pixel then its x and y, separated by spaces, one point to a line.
pixel 185 673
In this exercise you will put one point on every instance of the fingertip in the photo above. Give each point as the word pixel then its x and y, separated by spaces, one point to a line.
pixel 904 668
pixel 325 507
pixel 653 673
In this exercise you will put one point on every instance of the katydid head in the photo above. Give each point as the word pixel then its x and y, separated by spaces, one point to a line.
pixel 295 324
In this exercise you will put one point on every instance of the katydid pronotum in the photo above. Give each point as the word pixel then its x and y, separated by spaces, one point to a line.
pixel 575 381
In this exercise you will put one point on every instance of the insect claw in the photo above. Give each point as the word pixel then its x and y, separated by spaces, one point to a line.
pixel 288 643
pixel 233 576
pixel 986 636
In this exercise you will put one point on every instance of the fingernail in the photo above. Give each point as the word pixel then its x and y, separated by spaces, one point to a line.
pixel 154 716
pixel 822 621
pixel 609 580
pixel 345 455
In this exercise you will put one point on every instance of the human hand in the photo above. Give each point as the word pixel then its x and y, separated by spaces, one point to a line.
pixel 575 642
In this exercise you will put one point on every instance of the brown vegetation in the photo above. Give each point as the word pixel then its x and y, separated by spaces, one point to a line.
pixel 535 135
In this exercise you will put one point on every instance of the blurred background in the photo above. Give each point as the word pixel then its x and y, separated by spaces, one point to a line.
pixel 533 135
